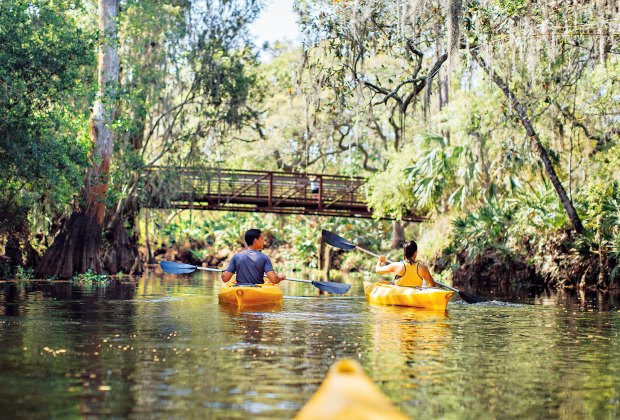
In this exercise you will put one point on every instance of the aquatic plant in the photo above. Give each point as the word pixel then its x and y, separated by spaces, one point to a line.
pixel 90 277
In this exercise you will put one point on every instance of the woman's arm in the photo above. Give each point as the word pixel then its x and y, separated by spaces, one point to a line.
pixel 426 275
pixel 386 269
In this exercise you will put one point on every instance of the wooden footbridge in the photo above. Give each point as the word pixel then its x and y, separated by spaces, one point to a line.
pixel 257 191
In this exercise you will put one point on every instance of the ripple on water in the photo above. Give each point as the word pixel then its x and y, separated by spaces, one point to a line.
pixel 166 348
pixel 489 303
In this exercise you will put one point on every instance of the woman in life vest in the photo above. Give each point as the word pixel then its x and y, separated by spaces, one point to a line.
pixel 408 272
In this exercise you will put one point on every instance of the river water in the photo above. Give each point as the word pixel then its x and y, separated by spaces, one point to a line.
pixel 163 346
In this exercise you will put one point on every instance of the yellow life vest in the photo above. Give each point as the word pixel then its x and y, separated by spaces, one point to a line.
pixel 411 277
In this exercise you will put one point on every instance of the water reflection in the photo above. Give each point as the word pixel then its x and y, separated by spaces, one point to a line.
pixel 404 329
pixel 599 300
pixel 408 347
pixel 234 310
pixel 163 346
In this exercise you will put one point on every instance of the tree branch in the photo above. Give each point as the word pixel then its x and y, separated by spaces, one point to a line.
pixel 601 140
pixel 418 88
pixel 533 136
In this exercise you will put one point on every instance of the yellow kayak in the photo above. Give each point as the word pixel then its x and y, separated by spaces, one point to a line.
pixel 241 296
pixel 419 297
pixel 347 393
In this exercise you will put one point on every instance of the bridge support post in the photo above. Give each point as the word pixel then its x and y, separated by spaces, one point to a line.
pixel 270 198
pixel 320 192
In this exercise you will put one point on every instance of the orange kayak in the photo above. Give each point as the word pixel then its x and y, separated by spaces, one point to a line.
pixel 348 394
pixel 419 297
pixel 241 296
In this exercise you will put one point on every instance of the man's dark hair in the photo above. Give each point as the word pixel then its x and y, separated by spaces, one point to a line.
pixel 252 235
pixel 409 248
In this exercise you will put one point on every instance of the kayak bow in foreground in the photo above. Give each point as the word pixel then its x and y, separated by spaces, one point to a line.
pixel 348 394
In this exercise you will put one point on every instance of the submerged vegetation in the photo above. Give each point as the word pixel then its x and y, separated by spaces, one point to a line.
pixel 497 120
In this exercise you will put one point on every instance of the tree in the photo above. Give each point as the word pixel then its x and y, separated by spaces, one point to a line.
pixel 188 74
pixel 538 146
pixel 555 44
pixel 376 54
pixel 45 62
pixel 76 248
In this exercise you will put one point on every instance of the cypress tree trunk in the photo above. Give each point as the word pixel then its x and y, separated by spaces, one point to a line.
pixel 542 152
pixel 119 254
pixel 76 248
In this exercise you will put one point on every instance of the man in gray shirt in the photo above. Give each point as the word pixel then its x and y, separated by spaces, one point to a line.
pixel 251 264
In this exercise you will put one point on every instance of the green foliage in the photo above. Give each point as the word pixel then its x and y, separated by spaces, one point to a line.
pixel 610 213
pixel 538 211
pixel 390 193
pixel 18 272
pixel 175 232
pixel 486 228
pixel 188 80
pixel 434 174
pixel 228 231
pixel 24 273
pixel 221 231
pixel 303 238
pixel 90 278
pixel 358 98
pixel 601 204
pixel 512 7
pixel 615 253
pixel 45 58
pixel 293 239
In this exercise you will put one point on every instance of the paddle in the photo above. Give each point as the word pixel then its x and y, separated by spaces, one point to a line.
pixel 339 242
pixel 173 267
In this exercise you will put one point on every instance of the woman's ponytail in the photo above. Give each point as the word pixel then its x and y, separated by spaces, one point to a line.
pixel 409 250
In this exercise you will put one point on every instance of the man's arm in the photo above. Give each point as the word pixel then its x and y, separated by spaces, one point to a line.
pixel 426 275
pixel 230 270
pixel 274 277
pixel 226 276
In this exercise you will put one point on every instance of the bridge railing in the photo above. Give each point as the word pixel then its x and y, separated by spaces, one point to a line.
pixel 257 191
pixel 226 186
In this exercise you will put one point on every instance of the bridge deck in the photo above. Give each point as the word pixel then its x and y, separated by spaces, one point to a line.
pixel 258 191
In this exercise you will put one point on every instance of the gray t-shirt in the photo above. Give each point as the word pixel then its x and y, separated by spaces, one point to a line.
pixel 250 266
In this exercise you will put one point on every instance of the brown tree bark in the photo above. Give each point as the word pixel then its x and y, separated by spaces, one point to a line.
pixel 325 259
pixel 13 251
pixel 322 248
pixel 76 249
pixel 150 259
pixel 120 255
pixel 398 234
pixel 602 261
pixel 327 263
pixel 533 135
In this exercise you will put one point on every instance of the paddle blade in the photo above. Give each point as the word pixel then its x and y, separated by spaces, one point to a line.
pixel 471 298
pixel 172 267
pixel 331 287
pixel 336 241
